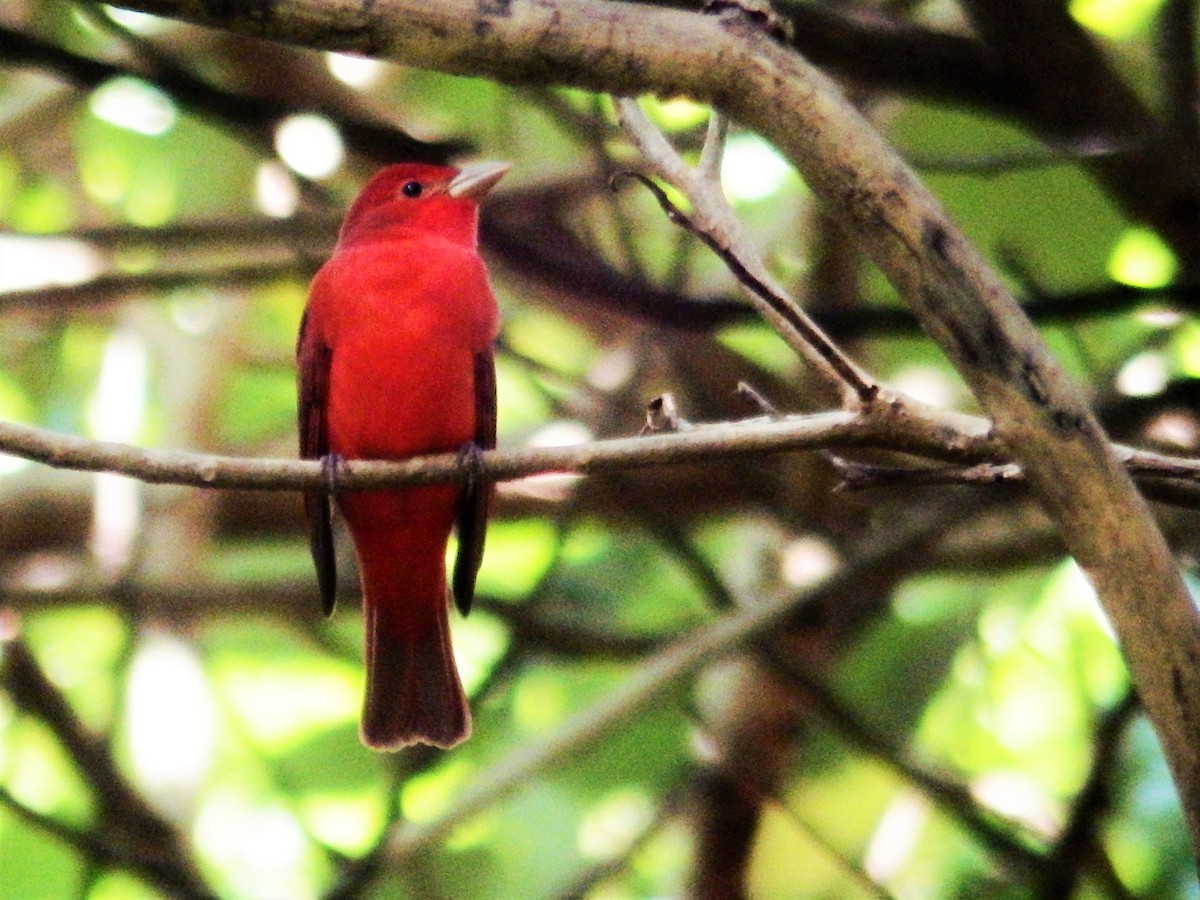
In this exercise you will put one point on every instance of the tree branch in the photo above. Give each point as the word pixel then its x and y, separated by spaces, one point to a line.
pixel 949 436
pixel 961 440
pixel 721 231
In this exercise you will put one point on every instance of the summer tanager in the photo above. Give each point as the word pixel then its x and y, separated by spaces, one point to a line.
pixel 395 360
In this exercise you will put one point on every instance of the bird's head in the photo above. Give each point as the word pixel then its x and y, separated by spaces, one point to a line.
pixel 418 198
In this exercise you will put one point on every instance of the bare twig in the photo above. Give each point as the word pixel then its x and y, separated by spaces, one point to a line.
pixel 713 151
pixel 800 331
pixel 856 476
pixel 906 428
pixel 755 397
pixel 714 223
pixel 959 438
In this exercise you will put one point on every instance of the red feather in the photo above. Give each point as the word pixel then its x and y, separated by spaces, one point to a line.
pixel 395 359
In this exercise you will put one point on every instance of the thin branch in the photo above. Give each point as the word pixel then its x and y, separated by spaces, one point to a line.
pixel 713 152
pixel 289 601
pixel 1012 162
pixel 800 331
pixel 233 232
pixel 955 437
pixel 904 428
pixel 119 287
pixel 714 223
pixel 856 476
pixel 1080 841
pixel 1161 478
pixel 753 396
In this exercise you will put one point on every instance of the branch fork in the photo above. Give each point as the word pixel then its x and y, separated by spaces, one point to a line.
pixel 715 224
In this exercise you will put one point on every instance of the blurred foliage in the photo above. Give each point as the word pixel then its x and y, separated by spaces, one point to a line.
pixel 967 730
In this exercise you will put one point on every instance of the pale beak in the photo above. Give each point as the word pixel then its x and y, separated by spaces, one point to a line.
pixel 477 179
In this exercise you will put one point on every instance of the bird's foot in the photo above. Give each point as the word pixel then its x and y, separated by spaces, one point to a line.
pixel 470 457
pixel 332 465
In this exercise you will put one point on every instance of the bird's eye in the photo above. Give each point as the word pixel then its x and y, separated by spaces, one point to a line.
pixel 411 189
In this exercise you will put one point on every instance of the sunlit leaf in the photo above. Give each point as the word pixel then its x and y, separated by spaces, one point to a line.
pixel 518 555
pixel 34 863
pixel 1141 259
pixel 1116 19
pixel 43 207
pixel 348 822
pixel 80 648
pixel 759 345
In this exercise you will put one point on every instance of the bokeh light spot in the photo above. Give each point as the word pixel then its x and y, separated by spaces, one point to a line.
pixel 1141 259
pixel 310 145
pixel 134 105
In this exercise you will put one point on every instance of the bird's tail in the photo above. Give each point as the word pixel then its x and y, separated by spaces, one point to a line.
pixel 413 693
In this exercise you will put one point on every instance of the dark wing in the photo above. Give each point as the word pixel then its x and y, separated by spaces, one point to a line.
pixel 313 358
pixel 477 495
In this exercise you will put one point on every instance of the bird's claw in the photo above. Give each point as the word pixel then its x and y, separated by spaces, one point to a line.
pixel 470 457
pixel 331 466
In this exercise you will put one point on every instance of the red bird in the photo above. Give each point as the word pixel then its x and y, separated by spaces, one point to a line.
pixel 395 360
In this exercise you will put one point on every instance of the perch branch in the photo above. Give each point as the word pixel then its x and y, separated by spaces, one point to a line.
pixel 959 438
pixel 935 435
